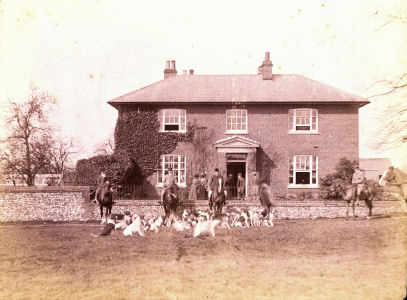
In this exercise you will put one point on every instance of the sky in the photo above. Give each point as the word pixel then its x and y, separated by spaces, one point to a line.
pixel 86 53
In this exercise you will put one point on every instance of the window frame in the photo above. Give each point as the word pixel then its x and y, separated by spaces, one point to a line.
pixel 181 122
pixel 236 131
pixel 161 169
pixel 292 121
pixel 310 167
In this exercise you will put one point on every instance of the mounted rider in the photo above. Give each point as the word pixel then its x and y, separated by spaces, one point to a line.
pixel 170 184
pixel 358 180
pixel 100 183
pixel 216 183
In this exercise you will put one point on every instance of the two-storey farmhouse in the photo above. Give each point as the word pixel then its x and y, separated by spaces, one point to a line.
pixel 290 129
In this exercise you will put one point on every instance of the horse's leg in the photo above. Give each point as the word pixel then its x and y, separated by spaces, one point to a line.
pixel 353 207
pixel 101 211
pixel 369 203
pixel 347 209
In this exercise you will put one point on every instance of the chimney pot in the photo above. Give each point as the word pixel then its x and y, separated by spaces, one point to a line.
pixel 266 69
pixel 169 70
pixel 191 72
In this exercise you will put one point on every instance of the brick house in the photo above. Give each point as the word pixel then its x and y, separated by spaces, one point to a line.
pixel 289 129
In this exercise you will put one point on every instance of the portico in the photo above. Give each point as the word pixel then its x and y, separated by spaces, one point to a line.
pixel 237 154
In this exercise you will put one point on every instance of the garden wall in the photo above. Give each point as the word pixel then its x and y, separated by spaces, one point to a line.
pixel 71 203
pixel 48 203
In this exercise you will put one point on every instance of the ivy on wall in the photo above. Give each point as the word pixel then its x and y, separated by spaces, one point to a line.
pixel 138 147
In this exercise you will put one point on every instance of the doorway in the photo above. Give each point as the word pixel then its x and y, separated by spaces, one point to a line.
pixel 234 168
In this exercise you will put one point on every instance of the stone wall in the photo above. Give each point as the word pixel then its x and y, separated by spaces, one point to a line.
pixel 64 204
pixel 69 203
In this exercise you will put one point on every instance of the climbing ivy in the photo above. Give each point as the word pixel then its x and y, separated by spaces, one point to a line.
pixel 138 147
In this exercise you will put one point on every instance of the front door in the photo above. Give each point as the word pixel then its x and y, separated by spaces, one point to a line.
pixel 234 168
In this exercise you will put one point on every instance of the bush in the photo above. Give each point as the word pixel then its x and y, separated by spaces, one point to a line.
pixel 344 171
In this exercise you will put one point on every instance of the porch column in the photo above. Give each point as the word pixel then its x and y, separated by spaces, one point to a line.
pixel 251 167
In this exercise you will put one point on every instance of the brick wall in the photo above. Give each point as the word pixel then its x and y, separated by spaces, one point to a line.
pixel 268 124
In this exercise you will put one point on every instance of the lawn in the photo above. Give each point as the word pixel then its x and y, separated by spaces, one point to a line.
pixel 296 259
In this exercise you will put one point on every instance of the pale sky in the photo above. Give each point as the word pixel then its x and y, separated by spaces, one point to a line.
pixel 87 52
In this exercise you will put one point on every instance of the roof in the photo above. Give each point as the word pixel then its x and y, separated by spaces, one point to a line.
pixel 238 88
pixel 370 164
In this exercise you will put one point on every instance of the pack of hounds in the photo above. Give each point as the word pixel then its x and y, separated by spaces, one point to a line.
pixel 200 222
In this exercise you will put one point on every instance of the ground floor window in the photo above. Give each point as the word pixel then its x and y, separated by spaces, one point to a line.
pixel 177 163
pixel 303 170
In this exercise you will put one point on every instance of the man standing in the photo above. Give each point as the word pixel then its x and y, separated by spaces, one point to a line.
pixel 240 186
pixel 216 184
pixel 358 180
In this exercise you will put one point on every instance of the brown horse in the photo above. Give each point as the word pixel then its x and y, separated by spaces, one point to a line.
pixel 395 176
pixel 104 198
pixel 218 201
pixel 347 192
pixel 170 205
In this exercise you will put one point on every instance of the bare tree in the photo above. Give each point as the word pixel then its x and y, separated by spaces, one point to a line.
pixel 394 117
pixel 26 149
pixel 105 148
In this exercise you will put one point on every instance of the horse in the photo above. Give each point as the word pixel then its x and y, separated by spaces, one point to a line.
pixel 266 199
pixel 170 205
pixel 397 177
pixel 104 198
pixel 347 192
pixel 218 201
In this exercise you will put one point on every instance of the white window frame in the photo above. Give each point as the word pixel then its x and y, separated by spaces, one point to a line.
pixel 233 121
pixel 180 119
pixel 178 166
pixel 292 115
pixel 303 163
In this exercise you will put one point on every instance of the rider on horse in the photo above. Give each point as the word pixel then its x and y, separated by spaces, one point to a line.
pixel 358 180
pixel 100 182
pixel 216 184
pixel 170 184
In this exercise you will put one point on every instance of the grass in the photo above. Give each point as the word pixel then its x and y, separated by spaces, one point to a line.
pixel 296 259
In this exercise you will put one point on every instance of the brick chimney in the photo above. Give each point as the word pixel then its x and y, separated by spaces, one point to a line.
pixel 170 69
pixel 266 69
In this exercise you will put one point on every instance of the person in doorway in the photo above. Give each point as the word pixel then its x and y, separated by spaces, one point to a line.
pixel 358 180
pixel 240 186
pixel 229 186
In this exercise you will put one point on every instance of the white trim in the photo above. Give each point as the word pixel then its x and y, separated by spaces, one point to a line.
pixel 311 164
pixel 303 186
pixel 237 131
pixel 162 120
pixel 162 170
pixel 293 130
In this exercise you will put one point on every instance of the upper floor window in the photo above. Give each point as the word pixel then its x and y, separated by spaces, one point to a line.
pixel 303 171
pixel 303 120
pixel 175 163
pixel 236 121
pixel 172 120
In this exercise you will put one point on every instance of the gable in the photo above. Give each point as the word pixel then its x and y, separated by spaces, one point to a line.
pixel 236 142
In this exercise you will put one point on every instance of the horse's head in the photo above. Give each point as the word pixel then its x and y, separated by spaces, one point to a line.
pixel 388 176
